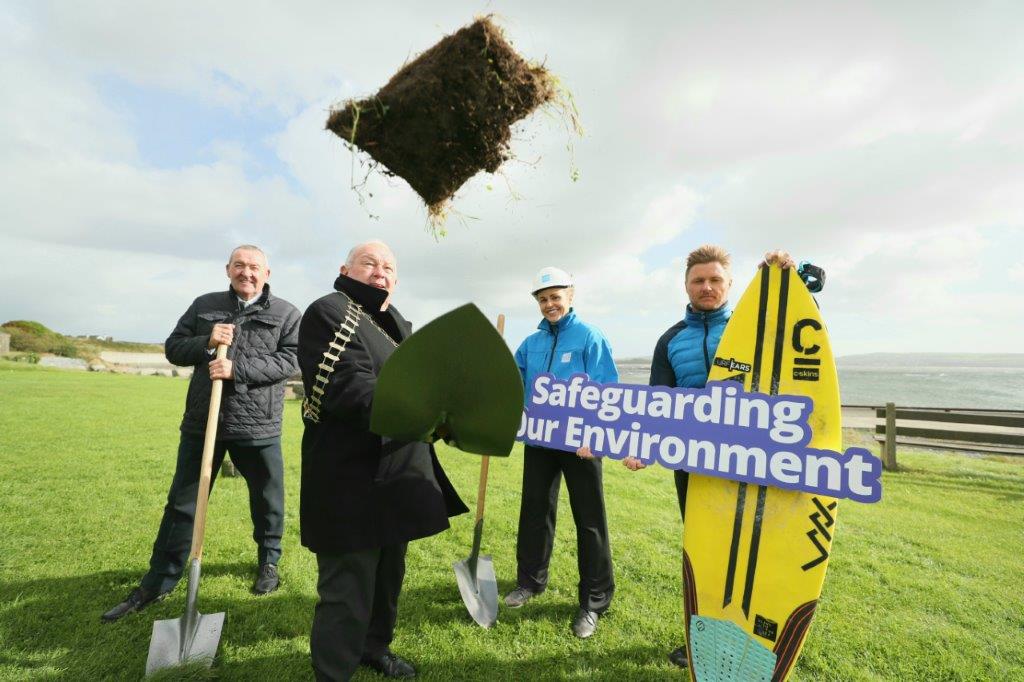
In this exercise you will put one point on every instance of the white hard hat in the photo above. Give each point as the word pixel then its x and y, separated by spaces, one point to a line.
pixel 551 277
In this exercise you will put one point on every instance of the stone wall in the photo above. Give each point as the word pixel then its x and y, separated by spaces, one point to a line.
pixel 293 389
pixel 142 363
pixel 5 343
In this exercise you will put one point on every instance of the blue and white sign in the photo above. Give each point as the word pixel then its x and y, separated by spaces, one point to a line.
pixel 720 430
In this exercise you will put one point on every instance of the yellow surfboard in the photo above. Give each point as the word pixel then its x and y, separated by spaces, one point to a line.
pixel 754 557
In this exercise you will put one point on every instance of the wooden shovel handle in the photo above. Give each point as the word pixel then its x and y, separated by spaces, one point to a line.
pixel 481 491
pixel 206 469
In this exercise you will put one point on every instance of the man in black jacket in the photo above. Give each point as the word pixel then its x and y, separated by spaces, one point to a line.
pixel 364 497
pixel 261 332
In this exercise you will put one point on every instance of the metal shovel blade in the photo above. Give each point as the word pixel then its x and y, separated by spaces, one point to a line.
pixel 479 592
pixel 193 638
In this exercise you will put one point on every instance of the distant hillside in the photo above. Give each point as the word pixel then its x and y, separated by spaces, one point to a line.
pixel 906 360
pixel 28 336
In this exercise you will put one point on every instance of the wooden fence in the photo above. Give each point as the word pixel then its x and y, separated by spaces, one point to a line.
pixel 994 431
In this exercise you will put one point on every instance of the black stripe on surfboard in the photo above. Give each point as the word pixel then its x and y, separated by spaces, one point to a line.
pixel 755 543
pixel 755 382
pixel 762 315
pixel 780 329
pixel 762 491
pixel 734 547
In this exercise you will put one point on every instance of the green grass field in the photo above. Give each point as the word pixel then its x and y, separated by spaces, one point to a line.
pixel 926 585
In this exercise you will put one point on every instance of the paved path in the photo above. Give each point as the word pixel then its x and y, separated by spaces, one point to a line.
pixel 139 360
pixel 61 362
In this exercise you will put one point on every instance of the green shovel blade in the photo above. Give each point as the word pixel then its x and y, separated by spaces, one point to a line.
pixel 455 375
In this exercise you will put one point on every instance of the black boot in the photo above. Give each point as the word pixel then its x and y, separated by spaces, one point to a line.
pixel 389 664
pixel 678 657
pixel 139 599
pixel 267 580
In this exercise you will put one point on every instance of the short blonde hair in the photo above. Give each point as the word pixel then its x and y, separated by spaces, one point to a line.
pixel 708 253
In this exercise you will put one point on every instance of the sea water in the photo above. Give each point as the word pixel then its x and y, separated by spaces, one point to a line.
pixel 910 380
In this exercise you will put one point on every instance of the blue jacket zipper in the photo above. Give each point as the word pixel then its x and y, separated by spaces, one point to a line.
pixel 554 342
pixel 707 359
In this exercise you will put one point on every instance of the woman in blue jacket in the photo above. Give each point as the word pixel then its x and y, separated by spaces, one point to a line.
pixel 563 345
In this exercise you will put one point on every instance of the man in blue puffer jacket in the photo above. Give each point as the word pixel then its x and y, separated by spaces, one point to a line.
pixel 563 345
pixel 683 354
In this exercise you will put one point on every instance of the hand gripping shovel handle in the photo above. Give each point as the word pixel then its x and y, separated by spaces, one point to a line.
pixel 206 470
pixel 481 491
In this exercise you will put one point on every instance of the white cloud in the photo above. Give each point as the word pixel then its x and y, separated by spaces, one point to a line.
pixel 668 215
pixel 879 141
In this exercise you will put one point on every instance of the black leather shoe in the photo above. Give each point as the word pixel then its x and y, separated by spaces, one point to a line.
pixel 139 599
pixel 267 580
pixel 389 664
pixel 519 596
pixel 678 657
pixel 585 623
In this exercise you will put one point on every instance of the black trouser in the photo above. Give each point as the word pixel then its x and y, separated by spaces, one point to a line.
pixel 682 483
pixel 542 476
pixel 357 609
pixel 260 463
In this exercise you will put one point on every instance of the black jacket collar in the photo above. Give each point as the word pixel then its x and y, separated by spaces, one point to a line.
pixel 370 297
pixel 262 302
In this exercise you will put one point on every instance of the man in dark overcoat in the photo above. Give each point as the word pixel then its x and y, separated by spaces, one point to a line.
pixel 261 332
pixel 364 496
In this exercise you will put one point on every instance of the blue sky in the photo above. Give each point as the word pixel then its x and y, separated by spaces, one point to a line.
pixel 174 130
pixel 881 141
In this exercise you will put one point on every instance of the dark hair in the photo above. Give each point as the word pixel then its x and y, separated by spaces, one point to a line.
pixel 248 247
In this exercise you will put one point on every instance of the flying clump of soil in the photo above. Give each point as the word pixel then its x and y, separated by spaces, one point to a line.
pixel 447 115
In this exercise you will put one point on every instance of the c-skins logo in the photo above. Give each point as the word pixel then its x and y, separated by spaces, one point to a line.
pixel 807 368
pixel 732 364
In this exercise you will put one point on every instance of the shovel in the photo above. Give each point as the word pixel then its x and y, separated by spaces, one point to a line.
pixel 475 575
pixel 193 638
pixel 456 378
